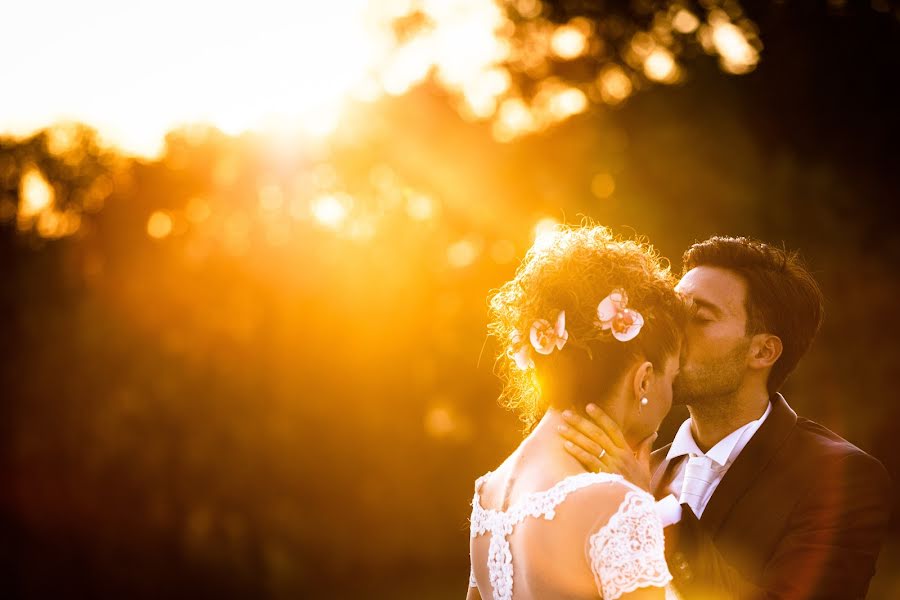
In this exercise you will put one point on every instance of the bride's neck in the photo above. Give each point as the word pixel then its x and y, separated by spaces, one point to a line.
pixel 545 441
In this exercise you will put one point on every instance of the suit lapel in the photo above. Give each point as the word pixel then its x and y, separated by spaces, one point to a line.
pixel 662 472
pixel 761 448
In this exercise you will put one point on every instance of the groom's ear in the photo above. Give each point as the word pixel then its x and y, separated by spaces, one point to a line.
pixel 765 350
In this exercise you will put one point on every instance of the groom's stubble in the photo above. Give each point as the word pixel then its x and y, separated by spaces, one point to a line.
pixel 711 382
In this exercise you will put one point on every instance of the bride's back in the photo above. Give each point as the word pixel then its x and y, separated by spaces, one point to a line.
pixel 548 520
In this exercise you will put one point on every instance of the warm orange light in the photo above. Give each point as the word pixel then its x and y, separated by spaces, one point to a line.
pixel 568 42
pixel 36 208
pixel 420 207
pixel 567 102
pixel 296 67
pixel 331 210
pixel 503 252
pixel 237 233
pixel 271 198
pixel 7 209
pixel 278 233
pixel 298 209
pixel 441 422
pixel 544 232
pixel 685 21
pixel 70 223
pixel 660 66
pixel 53 225
pixel 615 86
pixel 514 119
pixel 197 210
pixel 529 9
pixel 482 92
pixel 362 230
pixel 35 194
pixel 62 139
pixel 159 225
pixel 48 224
pixel 462 253
pixel 738 56
pixel 603 185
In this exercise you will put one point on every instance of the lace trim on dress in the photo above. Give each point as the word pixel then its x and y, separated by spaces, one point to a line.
pixel 501 523
pixel 629 551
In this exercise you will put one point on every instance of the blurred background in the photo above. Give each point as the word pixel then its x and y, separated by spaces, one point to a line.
pixel 246 251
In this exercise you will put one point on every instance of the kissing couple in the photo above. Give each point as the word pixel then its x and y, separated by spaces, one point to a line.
pixel 749 501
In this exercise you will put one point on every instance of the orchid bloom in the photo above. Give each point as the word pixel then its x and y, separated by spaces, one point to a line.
pixel 614 314
pixel 523 358
pixel 522 355
pixel 546 336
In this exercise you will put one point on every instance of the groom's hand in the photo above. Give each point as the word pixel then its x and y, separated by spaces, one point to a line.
pixel 599 445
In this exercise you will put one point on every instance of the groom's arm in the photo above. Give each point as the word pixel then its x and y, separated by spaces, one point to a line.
pixel 698 568
pixel 827 553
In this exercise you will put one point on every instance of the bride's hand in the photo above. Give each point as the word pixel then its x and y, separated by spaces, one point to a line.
pixel 599 445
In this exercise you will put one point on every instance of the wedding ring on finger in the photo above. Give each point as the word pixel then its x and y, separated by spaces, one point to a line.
pixel 602 453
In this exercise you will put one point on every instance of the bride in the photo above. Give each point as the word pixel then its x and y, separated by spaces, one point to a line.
pixel 588 318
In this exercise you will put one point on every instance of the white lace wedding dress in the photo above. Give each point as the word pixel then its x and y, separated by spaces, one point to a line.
pixel 626 552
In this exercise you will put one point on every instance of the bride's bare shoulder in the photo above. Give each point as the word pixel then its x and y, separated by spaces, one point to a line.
pixel 595 504
pixel 489 486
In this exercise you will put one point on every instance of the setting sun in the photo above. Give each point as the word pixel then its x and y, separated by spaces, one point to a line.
pixel 135 71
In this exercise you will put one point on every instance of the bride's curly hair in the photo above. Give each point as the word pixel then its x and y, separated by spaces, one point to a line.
pixel 572 268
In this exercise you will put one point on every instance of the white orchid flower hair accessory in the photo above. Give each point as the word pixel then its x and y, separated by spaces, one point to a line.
pixel 545 337
pixel 522 355
pixel 613 315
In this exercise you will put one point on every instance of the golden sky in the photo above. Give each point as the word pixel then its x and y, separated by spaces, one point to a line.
pixel 134 70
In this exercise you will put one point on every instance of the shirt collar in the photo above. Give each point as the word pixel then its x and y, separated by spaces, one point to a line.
pixel 683 443
pixel 722 453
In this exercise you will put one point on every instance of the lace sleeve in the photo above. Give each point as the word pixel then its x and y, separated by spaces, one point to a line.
pixel 629 551
pixel 472 582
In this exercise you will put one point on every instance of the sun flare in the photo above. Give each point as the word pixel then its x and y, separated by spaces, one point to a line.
pixel 135 71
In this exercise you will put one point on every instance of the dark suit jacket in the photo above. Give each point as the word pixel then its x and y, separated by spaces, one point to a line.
pixel 801 513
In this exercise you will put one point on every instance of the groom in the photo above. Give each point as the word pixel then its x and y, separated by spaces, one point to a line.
pixel 757 502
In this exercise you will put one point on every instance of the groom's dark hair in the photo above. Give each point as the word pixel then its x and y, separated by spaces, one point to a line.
pixel 783 298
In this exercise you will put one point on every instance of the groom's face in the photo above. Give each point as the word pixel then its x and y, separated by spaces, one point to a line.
pixel 714 357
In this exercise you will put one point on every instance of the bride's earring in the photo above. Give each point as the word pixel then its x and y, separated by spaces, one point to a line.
pixel 644 402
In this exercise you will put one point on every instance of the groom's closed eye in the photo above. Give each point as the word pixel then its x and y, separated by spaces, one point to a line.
pixel 699 314
pixel 703 311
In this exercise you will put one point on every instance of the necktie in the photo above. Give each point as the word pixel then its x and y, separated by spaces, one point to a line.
pixel 698 474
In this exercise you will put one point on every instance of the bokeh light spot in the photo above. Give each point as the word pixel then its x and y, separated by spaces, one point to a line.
pixel 738 56
pixel 159 225
pixel 567 102
pixel 685 21
pixel 603 185
pixel 615 86
pixel 420 207
pixel 439 423
pixel 660 66
pixel 568 42
pixel 35 194
pixel 462 253
pixel 331 210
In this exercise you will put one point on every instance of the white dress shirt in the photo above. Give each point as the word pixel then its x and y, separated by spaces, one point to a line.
pixel 722 455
